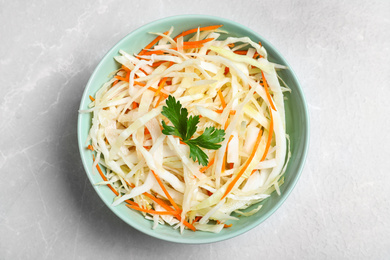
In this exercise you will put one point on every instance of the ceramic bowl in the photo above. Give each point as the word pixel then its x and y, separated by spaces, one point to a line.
pixel 297 126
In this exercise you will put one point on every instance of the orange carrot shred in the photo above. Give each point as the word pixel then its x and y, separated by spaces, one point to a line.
pixel 243 169
pixel 224 225
pixel 213 27
pixel 158 52
pixel 203 169
pixel 90 147
pixel 120 78
pixel 150 45
pixel 270 133
pixel 139 84
pixel 226 124
pixel 198 42
pixel 241 52
pixel 115 82
pixel 165 191
pixel 91 98
pixel 125 68
pixel 226 71
pixel 159 100
pixel 222 99
pixel 134 105
pixel 186 47
pixel 168 208
pixel 267 91
pixel 197 219
pixel 253 171
pixel 160 85
pixel 151 211
pixel 104 177
pixel 220 111
pixel 223 162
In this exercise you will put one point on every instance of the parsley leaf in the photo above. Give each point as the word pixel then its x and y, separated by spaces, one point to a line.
pixel 185 128
pixel 177 115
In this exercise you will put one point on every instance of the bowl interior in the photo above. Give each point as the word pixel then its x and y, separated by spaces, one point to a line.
pixel 296 121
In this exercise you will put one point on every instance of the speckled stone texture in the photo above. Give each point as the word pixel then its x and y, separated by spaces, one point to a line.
pixel 340 208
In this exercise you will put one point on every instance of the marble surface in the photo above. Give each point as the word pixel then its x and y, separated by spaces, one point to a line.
pixel 340 208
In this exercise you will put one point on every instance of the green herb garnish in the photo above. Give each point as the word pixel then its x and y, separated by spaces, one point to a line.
pixel 185 127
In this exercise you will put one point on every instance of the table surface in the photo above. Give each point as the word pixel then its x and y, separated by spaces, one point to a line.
pixel 340 208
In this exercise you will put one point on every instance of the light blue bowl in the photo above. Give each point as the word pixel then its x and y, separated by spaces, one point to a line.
pixel 297 121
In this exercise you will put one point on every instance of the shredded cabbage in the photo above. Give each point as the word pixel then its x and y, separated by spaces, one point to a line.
pixel 126 129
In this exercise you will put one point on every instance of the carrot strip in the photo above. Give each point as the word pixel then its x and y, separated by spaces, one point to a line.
pixel 150 45
pixel 159 201
pixel 121 78
pixel 270 133
pixel 186 47
pixel 253 171
pixel 226 71
pixel 89 147
pixel 161 98
pixel 224 225
pixel 157 52
pixel 154 89
pixel 203 169
pixel 115 82
pixel 241 52
pixel 160 85
pixel 230 45
pixel 243 169
pixel 222 99
pixel 220 111
pixel 168 208
pixel 213 27
pixel 190 226
pixel 197 218
pixel 226 124
pixel 224 161
pixel 125 68
pixel 104 177
pixel 151 211
pixel 91 98
pixel 134 105
pixel 143 71
pixel 230 165
pixel 267 91
pixel 198 42
pixel 139 84
pixel 165 191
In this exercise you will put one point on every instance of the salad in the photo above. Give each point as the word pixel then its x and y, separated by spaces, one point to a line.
pixel 191 130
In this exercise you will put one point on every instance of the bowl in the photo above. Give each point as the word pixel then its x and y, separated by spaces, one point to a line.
pixel 297 126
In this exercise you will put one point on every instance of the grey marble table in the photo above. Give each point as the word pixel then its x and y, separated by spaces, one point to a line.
pixel 340 208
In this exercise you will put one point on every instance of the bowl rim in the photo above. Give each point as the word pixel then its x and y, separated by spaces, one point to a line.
pixel 218 237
